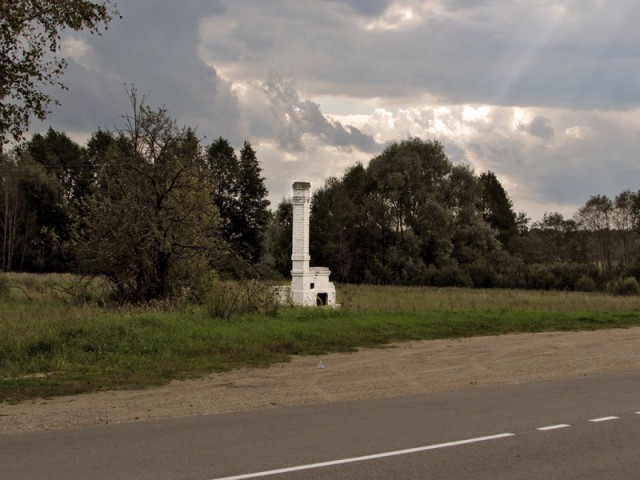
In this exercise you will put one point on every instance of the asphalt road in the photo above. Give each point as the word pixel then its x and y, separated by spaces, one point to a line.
pixel 587 428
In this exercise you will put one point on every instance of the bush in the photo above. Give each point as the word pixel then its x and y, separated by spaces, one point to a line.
pixel 559 276
pixel 482 273
pixel 198 288
pixel 229 299
pixel 541 277
pixel 624 286
pixel 452 276
pixel 585 284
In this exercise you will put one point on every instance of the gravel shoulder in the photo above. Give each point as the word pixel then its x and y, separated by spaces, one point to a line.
pixel 398 369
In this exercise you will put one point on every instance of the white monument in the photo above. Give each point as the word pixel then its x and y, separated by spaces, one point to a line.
pixel 310 286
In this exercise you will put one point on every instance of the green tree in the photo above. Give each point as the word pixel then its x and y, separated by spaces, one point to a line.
pixel 278 239
pixel 29 45
pixel 497 208
pixel 32 210
pixel 476 247
pixel 224 170
pixel 596 217
pixel 409 191
pixel 410 217
pixel 407 174
pixel 359 231
pixel 97 155
pixel 349 231
pixel 625 222
pixel 332 212
pixel 69 165
pixel 150 226
pixel 240 195
pixel 553 239
pixel 67 161
pixel 253 213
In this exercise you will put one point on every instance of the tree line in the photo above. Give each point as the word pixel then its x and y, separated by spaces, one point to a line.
pixel 411 217
pixel 155 212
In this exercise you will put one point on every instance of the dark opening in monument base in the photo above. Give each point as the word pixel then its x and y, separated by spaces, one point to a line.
pixel 322 299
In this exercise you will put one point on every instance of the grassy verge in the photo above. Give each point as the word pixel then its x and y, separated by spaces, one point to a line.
pixel 51 346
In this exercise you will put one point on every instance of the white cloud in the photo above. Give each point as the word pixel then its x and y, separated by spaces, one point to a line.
pixel 80 51
pixel 539 170
pixel 471 113
pixel 579 133
pixel 395 17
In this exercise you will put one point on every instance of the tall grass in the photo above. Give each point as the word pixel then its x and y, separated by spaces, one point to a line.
pixel 422 299
pixel 51 343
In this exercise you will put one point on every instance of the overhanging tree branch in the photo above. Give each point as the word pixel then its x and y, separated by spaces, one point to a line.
pixel 29 43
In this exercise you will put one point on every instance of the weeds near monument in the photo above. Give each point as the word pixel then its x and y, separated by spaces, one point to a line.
pixel 232 299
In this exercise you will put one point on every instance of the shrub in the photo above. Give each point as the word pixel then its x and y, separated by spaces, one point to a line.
pixel 558 276
pixel 199 288
pixel 229 299
pixel 585 284
pixel 482 274
pixel 452 276
pixel 540 277
pixel 624 286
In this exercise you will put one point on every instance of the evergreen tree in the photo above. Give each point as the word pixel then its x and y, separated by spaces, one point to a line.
pixel 224 170
pixel 277 255
pixel 253 214
pixel 68 161
pixel 496 207
pixel 240 197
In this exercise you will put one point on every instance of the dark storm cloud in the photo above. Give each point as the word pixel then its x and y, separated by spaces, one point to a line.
pixel 455 5
pixel 154 48
pixel 582 55
pixel 366 7
pixel 293 118
pixel 540 127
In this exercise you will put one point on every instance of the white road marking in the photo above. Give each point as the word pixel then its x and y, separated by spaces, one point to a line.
pixel 400 452
pixel 367 457
pixel 553 427
pixel 603 419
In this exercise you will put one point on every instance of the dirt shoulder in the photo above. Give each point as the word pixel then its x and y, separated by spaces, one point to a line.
pixel 399 369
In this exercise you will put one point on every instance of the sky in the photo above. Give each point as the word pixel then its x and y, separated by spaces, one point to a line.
pixel 544 93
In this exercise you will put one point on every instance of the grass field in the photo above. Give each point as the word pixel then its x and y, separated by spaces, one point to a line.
pixel 57 337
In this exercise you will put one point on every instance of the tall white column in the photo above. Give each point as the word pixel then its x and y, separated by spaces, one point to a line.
pixel 300 244
pixel 300 241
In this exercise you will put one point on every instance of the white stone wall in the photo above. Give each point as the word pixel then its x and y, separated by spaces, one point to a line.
pixel 312 288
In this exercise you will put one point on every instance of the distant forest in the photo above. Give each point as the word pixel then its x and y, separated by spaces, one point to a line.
pixel 155 211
